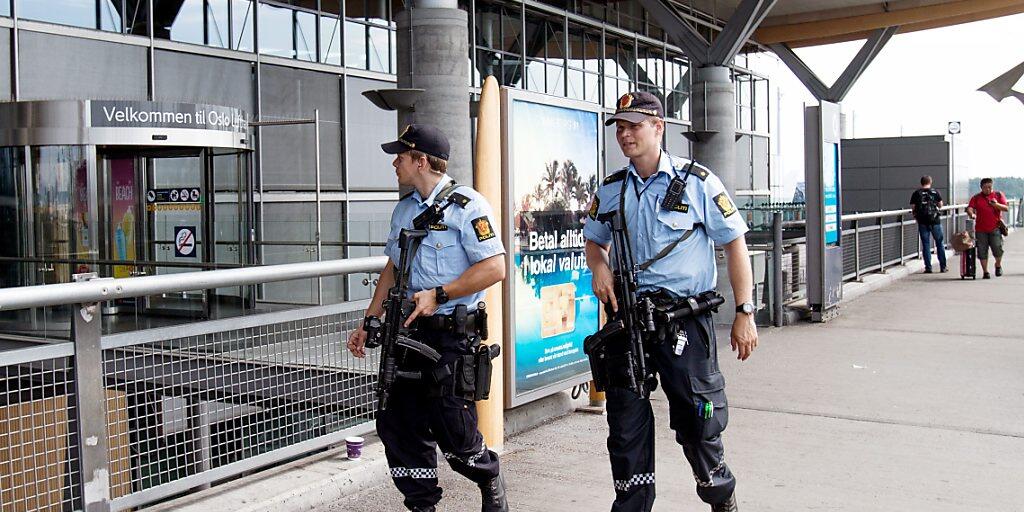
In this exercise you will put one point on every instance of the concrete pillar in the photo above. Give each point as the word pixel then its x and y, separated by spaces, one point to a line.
pixel 714 109
pixel 433 48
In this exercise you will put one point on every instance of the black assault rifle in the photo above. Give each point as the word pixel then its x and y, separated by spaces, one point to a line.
pixel 392 332
pixel 616 351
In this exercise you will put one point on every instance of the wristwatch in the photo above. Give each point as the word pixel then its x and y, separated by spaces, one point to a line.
pixel 440 295
pixel 746 307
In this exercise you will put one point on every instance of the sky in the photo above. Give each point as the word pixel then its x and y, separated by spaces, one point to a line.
pixel 917 84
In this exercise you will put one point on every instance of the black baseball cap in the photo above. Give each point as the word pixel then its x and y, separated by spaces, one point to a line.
pixel 637 106
pixel 420 137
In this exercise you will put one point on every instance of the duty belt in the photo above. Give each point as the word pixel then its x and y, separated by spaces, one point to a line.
pixel 447 323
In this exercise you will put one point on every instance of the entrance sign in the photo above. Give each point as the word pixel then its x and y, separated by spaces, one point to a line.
pixel 185 241
pixel 552 159
pixel 156 114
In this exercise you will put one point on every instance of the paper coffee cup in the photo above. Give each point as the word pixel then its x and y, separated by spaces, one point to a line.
pixel 354 447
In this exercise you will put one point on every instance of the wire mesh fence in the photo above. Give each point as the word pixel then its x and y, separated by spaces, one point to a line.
pixel 229 395
pixel 39 464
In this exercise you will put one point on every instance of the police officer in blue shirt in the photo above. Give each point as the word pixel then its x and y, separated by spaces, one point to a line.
pixel 674 242
pixel 460 258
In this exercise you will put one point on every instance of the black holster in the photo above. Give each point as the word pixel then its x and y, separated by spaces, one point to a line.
pixel 473 373
pixel 611 357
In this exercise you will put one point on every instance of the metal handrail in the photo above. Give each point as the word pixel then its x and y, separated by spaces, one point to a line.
pixel 103 289
pixel 893 213
pixel 871 215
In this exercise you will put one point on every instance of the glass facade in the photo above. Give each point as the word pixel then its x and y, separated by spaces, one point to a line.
pixel 619 49
pixel 591 51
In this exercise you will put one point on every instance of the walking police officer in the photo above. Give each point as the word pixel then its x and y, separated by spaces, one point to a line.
pixel 673 239
pixel 459 258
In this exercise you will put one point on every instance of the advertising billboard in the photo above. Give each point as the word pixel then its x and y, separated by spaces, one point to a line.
pixel 552 157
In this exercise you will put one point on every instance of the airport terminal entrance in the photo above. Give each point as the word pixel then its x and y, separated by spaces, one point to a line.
pixel 123 202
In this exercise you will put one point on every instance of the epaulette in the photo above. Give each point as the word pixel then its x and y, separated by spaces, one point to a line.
pixel 697 170
pixel 459 199
pixel 700 171
pixel 616 176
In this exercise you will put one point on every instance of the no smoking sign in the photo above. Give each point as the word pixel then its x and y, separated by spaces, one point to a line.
pixel 185 241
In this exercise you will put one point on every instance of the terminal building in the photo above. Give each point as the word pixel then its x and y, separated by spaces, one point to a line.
pixel 85 143
pixel 169 137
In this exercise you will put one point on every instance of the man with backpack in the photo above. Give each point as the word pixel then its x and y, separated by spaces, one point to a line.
pixel 925 203
pixel 987 208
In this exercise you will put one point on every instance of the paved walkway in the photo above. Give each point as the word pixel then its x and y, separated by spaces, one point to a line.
pixel 913 400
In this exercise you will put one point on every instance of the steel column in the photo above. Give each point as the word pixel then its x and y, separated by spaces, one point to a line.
pixel 91 404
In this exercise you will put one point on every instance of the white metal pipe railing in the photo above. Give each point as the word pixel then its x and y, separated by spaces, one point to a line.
pixel 103 289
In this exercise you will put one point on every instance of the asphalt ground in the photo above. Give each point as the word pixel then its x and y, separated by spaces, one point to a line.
pixel 912 400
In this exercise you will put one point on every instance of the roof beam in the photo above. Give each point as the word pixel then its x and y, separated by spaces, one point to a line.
pixel 795 64
pixel 1001 87
pixel 860 63
pixel 679 31
pixel 744 20
pixel 847 79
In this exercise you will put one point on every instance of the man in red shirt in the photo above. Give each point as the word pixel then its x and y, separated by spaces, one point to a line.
pixel 987 208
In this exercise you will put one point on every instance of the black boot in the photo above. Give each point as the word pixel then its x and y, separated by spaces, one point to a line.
pixel 493 494
pixel 728 505
pixel 424 509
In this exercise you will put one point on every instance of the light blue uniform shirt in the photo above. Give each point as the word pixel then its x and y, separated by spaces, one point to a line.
pixel 467 235
pixel 690 267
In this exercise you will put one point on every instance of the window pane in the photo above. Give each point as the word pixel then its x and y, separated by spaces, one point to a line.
pixel 379 49
pixel 330 40
pixel 217 23
pixel 377 11
pixel 136 16
pixel 330 7
pixel 535 76
pixel 488 27
pixel 276 31
pixel 184 23
pixel 110 16
pixel 77 13
pixel 5 8
pixel 511 30
pixel 574 85
pixel 305 36
pixel 592 84
pixel 554 81
pixel 355 45
pixel 241 25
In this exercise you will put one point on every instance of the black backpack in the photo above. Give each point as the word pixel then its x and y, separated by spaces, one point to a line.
pixel 928 213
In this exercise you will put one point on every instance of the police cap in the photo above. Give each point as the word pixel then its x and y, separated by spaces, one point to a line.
pixel 637 106
pixel 420 137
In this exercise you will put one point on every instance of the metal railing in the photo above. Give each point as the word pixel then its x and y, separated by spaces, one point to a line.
pixel 872 242
pixel 112 422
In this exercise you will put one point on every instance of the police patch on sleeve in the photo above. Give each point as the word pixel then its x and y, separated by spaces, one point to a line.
pixel 724 204
pixel 482 227
pixel 594 205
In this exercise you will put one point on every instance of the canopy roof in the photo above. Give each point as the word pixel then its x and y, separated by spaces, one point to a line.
pixel 815 22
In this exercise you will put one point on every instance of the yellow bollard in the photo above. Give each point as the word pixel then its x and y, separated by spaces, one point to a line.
pixel 487 178
pixel 596 397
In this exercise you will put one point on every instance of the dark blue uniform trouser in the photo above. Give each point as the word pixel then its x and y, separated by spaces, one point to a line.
pixel 417 421
pixel 689 380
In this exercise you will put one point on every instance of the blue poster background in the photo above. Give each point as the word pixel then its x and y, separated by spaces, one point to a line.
pixel 555 162
pixel 830 172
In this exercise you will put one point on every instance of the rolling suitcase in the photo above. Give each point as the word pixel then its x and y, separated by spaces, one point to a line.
pixel 969 256
pixel 968 263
